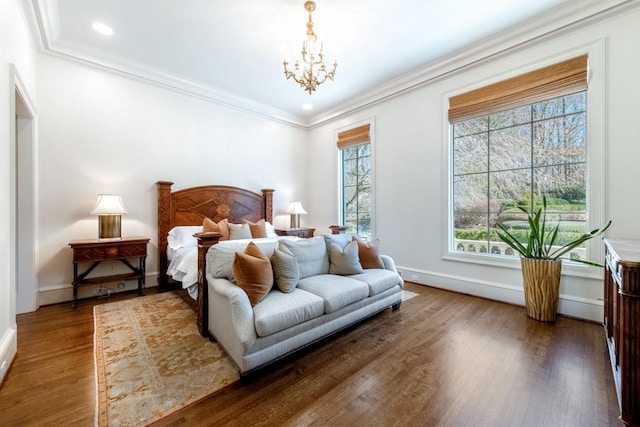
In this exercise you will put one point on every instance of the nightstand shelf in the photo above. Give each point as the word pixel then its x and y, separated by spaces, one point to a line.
pixel 299 232
pixel 96 251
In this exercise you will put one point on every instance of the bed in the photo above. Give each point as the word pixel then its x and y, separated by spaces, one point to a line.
pixel 189 207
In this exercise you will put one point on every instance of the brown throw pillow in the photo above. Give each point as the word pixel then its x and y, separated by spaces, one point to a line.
pixel 253 273
pixel 222 227
pixel 258 229
pixel 369 253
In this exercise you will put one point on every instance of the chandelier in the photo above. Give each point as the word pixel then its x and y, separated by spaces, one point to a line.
pixel 310 71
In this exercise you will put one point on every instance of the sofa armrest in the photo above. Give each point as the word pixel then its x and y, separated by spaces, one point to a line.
pixel 231 315
pixel 389 264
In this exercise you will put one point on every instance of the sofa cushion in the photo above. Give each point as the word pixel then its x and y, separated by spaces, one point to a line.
pixel 344 260
pixel 253 273
pixel 279 311
pixel 369 253
pixel 285 269
pixel 378 280
pixel 336 291
pixel 311 255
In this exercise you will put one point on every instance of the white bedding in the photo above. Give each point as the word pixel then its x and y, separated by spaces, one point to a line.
pixel 183 262
pixel 183 267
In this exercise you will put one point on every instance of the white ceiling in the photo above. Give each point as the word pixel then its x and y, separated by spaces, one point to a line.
pixel 231 51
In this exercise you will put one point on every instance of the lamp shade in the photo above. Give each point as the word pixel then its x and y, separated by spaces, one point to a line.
pixel 108 204
pixel 296 208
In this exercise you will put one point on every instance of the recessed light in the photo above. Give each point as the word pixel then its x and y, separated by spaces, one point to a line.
pixel 307 106
pixel 102 28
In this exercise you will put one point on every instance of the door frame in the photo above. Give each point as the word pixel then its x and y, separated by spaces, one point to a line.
pixel 23 212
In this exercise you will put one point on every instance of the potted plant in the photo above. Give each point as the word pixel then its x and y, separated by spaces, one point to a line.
pixel 541 261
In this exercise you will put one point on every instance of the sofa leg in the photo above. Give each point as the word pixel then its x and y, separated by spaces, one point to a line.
pixel 396 307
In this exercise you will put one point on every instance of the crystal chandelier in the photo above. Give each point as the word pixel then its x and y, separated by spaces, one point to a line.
pixel 310 70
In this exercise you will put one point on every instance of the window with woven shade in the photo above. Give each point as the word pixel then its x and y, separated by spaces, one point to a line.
pixel 356 208
pixel 513 142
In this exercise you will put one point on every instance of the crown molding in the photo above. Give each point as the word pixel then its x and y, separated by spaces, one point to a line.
pixel 48 24
pixel 47 18
pixel 566 17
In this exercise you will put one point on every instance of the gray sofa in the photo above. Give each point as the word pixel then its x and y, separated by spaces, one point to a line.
pixel 320 304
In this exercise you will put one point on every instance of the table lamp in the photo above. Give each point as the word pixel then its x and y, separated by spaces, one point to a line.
pixel 109 209
pixel 296 209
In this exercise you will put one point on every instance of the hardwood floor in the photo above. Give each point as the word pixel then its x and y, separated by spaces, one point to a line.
pixel 444 359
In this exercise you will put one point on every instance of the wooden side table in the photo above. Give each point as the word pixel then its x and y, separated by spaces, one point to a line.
pixel 299 232
pixel 96 251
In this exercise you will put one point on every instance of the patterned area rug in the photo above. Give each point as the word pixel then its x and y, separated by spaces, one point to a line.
pixel 151 361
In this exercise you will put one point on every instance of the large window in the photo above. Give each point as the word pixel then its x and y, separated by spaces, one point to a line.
pixel 510 154
pixel 357 200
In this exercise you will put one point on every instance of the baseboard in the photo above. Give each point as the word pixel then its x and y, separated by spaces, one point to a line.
pixel 568 305
pixel 8 350
pixel 64 292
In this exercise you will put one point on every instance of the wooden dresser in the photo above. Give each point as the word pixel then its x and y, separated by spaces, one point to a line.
pixel 622 322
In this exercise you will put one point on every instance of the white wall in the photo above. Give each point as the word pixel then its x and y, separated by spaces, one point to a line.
pixel 104 133
pixel 411 166
pixel 16 47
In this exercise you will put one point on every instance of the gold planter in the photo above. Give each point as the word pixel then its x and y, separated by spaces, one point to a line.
pixel 541 280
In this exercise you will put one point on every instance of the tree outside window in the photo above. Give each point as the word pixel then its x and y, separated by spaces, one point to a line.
pixel 514 158
pixel 356 189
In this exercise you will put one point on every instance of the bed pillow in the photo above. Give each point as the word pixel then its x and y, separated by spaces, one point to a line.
pixel 221 227
pixel 285 269
pixel 258 229
pixel 182 236
pixel 271 230
pixel 239 231
pixel 369 253
pixel 344 261
pixel 253 273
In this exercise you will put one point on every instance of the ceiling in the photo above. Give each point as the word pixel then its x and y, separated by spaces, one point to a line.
pixel 231 51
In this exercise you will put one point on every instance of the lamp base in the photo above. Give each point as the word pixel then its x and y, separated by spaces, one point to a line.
pixel 109 226
pixel 295 221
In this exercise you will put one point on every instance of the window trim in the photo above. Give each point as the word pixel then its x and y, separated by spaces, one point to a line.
pixel 595 162
pixel 372 136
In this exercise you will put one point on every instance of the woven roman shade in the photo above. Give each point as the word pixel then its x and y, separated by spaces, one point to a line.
pixel 555 80
pixel 355 136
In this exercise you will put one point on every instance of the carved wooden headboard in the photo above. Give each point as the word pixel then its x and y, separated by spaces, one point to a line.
pixel 191 205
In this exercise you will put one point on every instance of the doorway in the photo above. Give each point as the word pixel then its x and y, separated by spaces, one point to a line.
pixel 23 196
